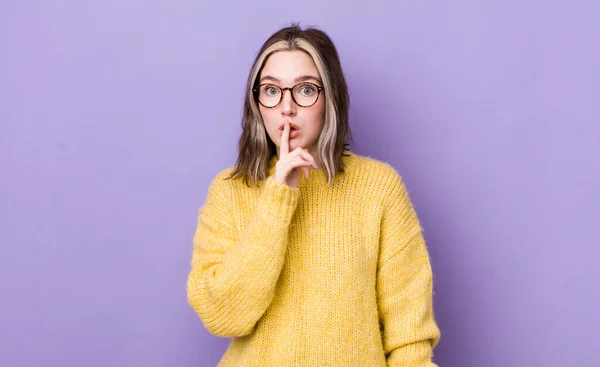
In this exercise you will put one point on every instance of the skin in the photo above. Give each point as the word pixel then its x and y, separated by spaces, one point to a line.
pixel 295 155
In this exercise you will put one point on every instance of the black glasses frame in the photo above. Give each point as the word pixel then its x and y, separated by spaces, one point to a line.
pixel 319 89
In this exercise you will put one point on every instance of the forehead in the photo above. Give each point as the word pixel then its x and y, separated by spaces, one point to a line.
pixel 288 65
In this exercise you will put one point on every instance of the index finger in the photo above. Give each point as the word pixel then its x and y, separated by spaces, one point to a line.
pixel 284 149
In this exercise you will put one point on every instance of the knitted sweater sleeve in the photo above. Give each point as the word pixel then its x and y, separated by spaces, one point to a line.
pixel 404 283
pixel 233 275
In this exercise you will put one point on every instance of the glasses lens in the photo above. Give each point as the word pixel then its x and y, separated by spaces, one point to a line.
pixel 305 94
pixel 269 95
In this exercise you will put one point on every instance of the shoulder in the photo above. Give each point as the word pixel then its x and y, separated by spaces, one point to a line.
pixel 375 181
pixel 374 171
pixel 224 174
pixel 224 181
pixel 220 185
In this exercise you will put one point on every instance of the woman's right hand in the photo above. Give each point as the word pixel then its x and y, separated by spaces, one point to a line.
pixel 291 164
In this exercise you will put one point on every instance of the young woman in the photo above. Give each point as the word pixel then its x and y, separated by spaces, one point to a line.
pixel 307 254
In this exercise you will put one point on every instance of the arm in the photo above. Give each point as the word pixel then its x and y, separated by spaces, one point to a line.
pixel 405 284
pixel 233 275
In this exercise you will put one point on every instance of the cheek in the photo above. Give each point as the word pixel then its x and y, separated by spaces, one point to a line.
pixel 316 115
pixel 269 117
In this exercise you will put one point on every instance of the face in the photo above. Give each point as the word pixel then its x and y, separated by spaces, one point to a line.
pixel 286 69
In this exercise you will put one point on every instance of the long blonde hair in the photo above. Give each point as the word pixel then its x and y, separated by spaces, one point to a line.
pixel 255 147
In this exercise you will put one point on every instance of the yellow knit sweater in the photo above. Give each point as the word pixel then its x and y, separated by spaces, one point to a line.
pixel 315 275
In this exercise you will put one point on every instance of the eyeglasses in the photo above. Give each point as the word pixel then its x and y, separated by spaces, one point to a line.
pixel 304 94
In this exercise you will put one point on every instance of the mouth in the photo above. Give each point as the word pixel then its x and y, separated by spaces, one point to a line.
pixel 293 127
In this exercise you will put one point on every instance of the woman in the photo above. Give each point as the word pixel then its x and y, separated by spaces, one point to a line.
pixel 307 254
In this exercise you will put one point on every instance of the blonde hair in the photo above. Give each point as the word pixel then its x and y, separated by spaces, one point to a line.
pixel 255 147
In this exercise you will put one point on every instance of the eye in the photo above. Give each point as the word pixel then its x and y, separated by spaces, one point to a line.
pixel 307 89
pixel 271 90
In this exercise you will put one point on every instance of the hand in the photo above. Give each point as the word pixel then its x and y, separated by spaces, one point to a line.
pixel 291 164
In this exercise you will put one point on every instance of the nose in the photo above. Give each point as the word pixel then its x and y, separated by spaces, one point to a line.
pixel 288 106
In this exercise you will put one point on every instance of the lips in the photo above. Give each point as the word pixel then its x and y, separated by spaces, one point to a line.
pixel 293 133
pixel 292 126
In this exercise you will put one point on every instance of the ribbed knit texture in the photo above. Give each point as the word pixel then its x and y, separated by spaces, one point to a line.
pixel 315 275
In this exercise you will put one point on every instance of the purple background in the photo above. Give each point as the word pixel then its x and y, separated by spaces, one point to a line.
pixel 116 115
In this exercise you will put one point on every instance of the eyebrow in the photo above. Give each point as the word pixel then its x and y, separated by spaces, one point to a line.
pixel 298 79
